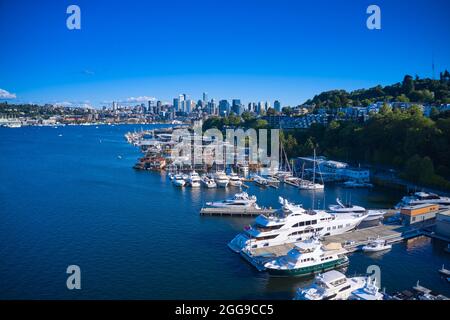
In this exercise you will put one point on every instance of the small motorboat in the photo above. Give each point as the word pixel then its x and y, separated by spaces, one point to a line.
pixel 178 181
pixel 208 182
pixel 376 246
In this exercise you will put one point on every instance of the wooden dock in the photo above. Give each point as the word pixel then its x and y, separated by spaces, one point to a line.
pixel 235 212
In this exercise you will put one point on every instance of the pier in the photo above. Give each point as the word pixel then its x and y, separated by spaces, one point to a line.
pixel 235 212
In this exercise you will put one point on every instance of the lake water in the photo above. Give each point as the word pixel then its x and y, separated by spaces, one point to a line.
pixel 69 195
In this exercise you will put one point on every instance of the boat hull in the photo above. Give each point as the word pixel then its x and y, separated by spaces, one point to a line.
pixel 310 270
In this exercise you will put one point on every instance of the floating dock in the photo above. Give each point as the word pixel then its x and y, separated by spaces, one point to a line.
pixel 351 241
pixel 235 212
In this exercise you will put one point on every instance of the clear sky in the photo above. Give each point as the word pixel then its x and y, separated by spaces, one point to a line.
pixel 248 49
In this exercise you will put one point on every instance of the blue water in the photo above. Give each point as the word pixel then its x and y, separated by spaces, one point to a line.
pixel 66 197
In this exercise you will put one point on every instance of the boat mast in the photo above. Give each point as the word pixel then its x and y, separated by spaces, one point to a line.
pixel 314 167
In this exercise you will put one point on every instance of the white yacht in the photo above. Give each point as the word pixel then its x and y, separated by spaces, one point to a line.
pixel 292 223
pixel 260 181
pixel 194 180
pixel 331 285
pixel 376 245
pixel 308 258
pixel 221 179
pixel 235 181
pixel 208 182
pixel 371 214
pixel 178 181
pixel 239 200
pixel 309 185
pixel 424 198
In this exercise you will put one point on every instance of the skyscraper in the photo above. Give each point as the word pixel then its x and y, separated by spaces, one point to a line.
pixel 236 106
pixel 176 104
pixel 205 98
pixel 277 105
pixel 224 107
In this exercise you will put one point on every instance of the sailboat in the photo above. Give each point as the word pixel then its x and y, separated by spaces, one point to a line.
pixel 311 185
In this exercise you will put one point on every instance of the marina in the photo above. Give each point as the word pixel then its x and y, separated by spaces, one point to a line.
pixel 138 204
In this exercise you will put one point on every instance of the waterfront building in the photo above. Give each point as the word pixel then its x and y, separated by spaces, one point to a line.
pixel 331 170
pixel 418 213
pixel 443 224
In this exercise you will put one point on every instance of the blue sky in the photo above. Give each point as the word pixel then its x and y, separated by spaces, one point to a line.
pixel 249 49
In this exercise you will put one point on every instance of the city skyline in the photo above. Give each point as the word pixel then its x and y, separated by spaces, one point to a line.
pixel 290 51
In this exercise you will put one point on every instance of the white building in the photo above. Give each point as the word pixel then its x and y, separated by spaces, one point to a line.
pixel 334 170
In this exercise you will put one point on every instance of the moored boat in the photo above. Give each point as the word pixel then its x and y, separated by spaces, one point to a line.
pixel 208 182
pixel 307 258
pixel 221 179
pixel 235 181
pixel 334 285
pixel 178 181
pixel 292 223
pixel 376 246
pixel 239 200
pixel 193 180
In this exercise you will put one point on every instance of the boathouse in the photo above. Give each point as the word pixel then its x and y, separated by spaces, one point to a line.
pixel 419 213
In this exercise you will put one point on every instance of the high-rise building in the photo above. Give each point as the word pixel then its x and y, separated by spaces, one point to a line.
pixel 224 107
pixel 205 98
pixel 236 106
pixel 212 107
pixel 277 105
pixel 176 104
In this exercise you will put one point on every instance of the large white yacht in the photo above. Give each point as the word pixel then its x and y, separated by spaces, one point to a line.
pixel 424 198
pixel 342 208
pixel 292 223
pixel 334 285
pixel 239 200
pixel 221 179
pixel 308 258
pixel 235 181
pixel 194 180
